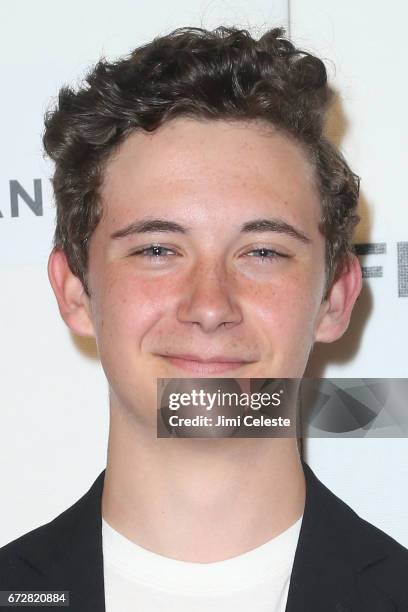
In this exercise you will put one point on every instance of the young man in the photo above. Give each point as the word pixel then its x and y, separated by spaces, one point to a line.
pixel 204 229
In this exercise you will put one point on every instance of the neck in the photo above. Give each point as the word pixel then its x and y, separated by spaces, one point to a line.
pixel 200 500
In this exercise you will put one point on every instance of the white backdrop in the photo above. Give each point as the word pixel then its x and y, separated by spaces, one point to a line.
pixel 54 405
pixel 367 47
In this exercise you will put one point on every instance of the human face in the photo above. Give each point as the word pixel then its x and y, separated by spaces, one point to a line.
pixel 236 276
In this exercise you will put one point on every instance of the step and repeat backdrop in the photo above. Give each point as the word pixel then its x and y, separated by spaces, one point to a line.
pixel 54 396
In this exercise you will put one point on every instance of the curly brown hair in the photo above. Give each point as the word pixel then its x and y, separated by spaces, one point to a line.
pixel 220 74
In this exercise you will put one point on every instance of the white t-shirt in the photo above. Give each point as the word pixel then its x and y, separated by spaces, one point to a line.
pixel 138 579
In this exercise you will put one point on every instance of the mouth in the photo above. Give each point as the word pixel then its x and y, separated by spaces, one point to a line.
pixel 204 367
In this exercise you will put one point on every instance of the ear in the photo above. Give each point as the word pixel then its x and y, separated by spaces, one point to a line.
pixel 335 310
pixel 73 302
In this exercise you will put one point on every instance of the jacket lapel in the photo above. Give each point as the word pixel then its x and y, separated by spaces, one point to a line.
pixel 69 555
pixel 334 549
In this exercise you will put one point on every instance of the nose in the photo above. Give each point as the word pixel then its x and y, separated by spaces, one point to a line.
pixel 209 300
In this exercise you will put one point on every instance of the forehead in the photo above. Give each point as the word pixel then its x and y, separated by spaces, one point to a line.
pixel 218 166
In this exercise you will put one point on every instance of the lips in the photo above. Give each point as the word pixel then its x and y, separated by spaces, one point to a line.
pixel 216 364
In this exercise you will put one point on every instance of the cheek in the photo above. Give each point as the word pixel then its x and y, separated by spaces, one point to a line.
pixel 286 312
pixel 128 309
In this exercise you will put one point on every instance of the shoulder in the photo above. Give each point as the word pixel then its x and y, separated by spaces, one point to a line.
pixel 386 575
pixel 14 565
pixel 388 570
pixel 34 558
pixel 338 536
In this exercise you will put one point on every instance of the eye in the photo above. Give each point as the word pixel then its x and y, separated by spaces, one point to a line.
pixel 154 251
pixel 264 253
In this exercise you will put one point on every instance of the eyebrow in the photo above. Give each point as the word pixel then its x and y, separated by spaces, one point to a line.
pixel 275 225
pixel 151 226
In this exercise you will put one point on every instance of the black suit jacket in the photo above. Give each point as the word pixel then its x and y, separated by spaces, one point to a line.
pixel 342 563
